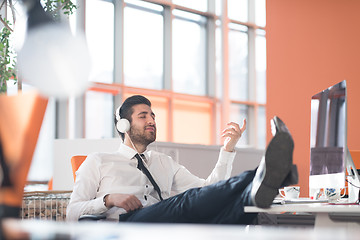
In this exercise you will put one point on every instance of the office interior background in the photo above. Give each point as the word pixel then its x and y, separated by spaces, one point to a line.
pixel 175 54
pixel 204 63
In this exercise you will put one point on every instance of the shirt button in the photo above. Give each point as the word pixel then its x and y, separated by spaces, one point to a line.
pixel 146 186
pixel 145 197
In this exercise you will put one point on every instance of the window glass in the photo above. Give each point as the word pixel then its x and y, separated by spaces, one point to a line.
pixel 41 168
pixel 260 65
pixel 99 115
pixel 144 5
pixel 238 10
pixel 192 122
pixel 200 5
pixel 17 37
pixel 238 113
pixel 218 7
pixel 260 12
pixel 261 128
pixel 100 38
pixel 188 54
pixel 143 48
pixel 218 55
pixel 11 87
pixel 238 65
pixel 72 19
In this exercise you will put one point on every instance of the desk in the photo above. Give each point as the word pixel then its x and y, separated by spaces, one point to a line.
pixel 327 215
pixel 45 229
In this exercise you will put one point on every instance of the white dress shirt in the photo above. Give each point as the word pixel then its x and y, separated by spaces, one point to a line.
pixel 116 172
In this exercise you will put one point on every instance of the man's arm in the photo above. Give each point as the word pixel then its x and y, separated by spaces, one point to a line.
pixel 128 202
pixel 83 198
pixel 232 133
pixel 184 180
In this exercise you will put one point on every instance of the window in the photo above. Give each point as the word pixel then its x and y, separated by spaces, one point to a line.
pixel 260 49
pixel 260 12
pixel 239 112
pixel 238 10
pixel 143 46
pixel 200 5
pixel 99 115
pixel 201 63
pixel 260 66
pixel 238 64
pixel 189 53
pixel 99 29
pixel 261 126
pixel 192 122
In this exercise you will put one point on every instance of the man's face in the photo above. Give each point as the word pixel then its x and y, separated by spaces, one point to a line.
pixel 143 126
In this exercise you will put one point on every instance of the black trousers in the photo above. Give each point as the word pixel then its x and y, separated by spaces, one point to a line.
pixel 222 203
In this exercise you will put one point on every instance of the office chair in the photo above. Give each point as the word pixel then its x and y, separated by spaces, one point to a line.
pixel 20 123
pixel 76 161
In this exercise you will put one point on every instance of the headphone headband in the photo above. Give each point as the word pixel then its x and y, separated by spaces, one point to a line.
pixel 117 114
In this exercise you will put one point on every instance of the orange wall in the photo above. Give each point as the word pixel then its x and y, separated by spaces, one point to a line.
pixel 311 44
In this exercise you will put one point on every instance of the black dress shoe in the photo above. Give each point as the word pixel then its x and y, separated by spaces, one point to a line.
pixel 275 167
pixel 292 178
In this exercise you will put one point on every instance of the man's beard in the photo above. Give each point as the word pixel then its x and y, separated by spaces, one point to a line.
pixel 143 138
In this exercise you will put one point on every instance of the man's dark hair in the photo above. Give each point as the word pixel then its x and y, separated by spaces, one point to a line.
pixel 126 109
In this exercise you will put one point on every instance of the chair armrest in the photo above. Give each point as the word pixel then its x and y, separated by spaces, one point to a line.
pixel 91 217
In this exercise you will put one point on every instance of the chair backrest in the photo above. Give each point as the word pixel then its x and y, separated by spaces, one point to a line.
pixel 21 118
pixel 50 184
pixel 76 161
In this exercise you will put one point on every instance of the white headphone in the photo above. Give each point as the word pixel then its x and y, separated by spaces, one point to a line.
pixel 122 125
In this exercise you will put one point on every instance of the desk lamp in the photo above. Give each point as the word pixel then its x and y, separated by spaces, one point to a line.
pixel 52 59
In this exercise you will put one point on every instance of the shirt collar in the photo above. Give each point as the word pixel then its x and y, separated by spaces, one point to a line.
pixel 129 152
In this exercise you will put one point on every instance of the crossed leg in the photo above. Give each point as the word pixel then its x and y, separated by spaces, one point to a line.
pixel 222 202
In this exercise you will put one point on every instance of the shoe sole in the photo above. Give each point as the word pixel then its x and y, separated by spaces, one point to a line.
pixel 278 162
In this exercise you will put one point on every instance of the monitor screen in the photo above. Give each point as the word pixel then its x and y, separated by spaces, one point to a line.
pixel 328 138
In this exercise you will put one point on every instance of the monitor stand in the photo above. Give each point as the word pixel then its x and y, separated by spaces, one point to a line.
pixel 352 178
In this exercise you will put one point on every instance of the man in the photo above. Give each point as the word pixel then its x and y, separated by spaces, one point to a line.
pixel 113 185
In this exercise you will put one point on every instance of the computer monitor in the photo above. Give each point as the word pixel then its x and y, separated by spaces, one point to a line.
pixel 329 154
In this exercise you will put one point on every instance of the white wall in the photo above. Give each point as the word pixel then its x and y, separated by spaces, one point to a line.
pixel 198 159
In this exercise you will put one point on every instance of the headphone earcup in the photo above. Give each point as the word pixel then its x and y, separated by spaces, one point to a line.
pixel 123 125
